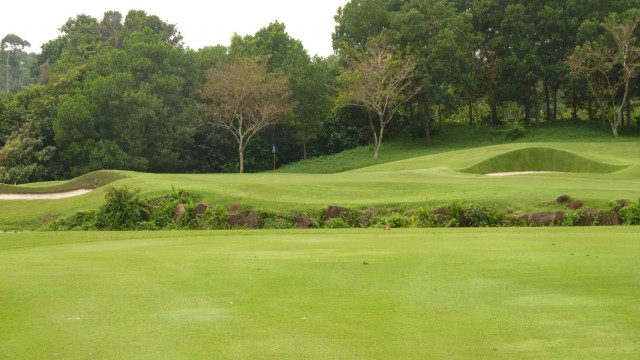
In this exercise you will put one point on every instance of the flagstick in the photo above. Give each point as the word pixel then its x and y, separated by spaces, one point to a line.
pixel 274 162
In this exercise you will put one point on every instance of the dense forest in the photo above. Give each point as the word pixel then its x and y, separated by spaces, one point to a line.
pixel 123 92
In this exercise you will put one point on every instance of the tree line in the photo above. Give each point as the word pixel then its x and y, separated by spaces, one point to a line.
pixel 124 92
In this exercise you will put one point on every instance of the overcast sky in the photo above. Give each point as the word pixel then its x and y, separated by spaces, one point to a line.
pixel 201 22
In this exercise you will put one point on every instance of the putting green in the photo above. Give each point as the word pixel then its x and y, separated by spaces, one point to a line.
pixel 569 293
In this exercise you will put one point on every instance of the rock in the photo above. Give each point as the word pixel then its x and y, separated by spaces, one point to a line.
pixel 547 218
pixel 333 212
pixel 575 205
pixel 563 199
pixel 248 219
pixel 623 202
pixel 199 210
pixel 303 222
pixel 233 208
pixel 178 212
pixel 609 218
pixel 368 215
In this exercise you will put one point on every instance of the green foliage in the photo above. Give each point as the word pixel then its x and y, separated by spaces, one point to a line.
pixel 572 217
pixel 81 221
pixel 278 220
pixel 461 215
pixel 513 132
pixel 630 214
pixel 336 223
pixel 214 218
pixel 24 156
pixel 123 209
pixel 393 220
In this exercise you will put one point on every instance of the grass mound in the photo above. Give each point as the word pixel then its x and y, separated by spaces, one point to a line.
pixel 92 180
pixel 541 159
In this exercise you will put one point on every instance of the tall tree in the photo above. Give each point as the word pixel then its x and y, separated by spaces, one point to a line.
pixel 379 80
pixel 243 99
pixel 609 67
pixel 11 46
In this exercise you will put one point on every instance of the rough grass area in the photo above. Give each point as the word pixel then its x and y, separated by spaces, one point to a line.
pixel 368 294
pixel 426 181
pixel 452 137
pixel 92 180
pixel 541 159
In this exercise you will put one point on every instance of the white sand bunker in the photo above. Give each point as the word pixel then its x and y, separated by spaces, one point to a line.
pixel 59 195
pixel 522 173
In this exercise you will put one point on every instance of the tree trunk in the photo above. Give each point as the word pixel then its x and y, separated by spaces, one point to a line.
pixel 304 150
pixel 590 110
pixel 8 72
pixel 629 111
pixel 574 101
pixel 494 113
pixel 527 113
pixel 547 99
pixel 426 118
pixel 241 154
pixel 470 113
pixel 555 104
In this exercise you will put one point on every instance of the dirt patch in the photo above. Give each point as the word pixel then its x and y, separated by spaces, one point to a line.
pixel 49 196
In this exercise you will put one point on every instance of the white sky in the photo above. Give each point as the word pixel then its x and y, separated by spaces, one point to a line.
pixel 201 22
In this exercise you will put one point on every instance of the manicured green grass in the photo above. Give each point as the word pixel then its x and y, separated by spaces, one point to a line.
pixel 431 181
pixel 542 293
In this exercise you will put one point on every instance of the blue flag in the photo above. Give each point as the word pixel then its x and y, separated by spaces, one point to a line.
pixel 273 149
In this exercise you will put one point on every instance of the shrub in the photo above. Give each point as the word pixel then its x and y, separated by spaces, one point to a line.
pixel 394 220
pixel 214 218
pixel 352 217
pixel 513 132
pixel 123 209
pixel 630 214
pixel 572 217
pixel 82 221
pixel 336 223
pixel 278 221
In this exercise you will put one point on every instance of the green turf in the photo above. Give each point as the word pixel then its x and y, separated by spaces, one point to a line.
pixel 541 159
pixel 543 293
pixel 431 181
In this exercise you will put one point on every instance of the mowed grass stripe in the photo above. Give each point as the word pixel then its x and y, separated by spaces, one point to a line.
pixel 349 294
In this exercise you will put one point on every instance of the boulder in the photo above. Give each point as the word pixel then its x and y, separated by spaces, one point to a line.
pixel 233 208
pixel 333 212
pixel 577 204
pixel 178 212
pixel 563 199
pixel 248 219
pixel 303 222
pixel 199 210
pixel 547 218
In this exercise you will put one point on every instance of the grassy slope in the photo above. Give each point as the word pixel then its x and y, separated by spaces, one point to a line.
pixel 407 175
pixel 567 293
pixel 431 180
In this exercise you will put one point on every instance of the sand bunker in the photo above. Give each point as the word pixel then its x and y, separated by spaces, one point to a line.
pixel 60 195
pixel 521 173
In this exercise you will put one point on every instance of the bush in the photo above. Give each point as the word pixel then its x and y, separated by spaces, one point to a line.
pixel 572 217
pixel 630 214
pixel 278 221
pixel 82 221
pixel 123 209
pixel 352 217
pixel 513 132
pixel 336 223
pixel 394 220
pixel 214 218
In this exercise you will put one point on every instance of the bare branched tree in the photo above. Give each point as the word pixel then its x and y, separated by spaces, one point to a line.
pixel 610 69
pixel 378 80
pixel 243 99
